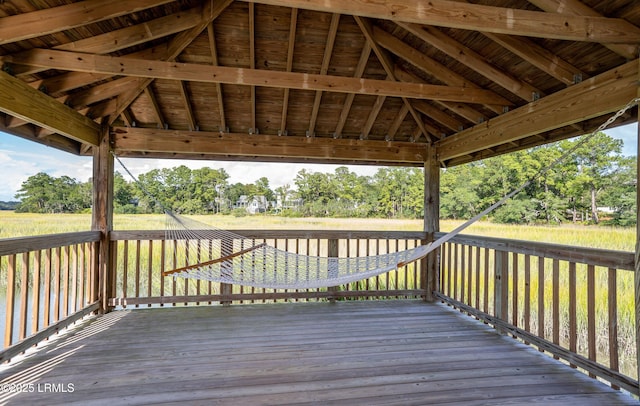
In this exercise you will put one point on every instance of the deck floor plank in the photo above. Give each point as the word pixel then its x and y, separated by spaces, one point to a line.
pixel 400 352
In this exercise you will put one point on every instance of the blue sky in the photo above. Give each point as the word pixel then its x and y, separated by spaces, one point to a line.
pixel 20 159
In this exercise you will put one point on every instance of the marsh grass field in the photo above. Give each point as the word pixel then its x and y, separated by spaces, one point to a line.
pixel 620 239
pixel 27 224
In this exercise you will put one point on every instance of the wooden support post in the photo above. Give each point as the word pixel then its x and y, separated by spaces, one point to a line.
pixel 430 265
pixel 102 217
pixel 332 251
pixel 637 253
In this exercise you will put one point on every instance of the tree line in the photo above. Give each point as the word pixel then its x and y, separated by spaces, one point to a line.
pixel 594 183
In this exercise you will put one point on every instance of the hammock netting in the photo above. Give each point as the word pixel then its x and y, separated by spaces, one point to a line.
pixel 217 255
pixel 223 256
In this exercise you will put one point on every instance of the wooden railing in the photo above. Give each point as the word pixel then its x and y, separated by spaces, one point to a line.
pixel 574 303
pixel 48 282
pixel 140 257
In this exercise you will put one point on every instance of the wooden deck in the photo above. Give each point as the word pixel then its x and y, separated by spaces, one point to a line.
pixel 369 353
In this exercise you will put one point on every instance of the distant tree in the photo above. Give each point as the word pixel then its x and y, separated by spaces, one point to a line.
pixel 123 195
pixel 35 193
pixel 42 193
pixel 593 164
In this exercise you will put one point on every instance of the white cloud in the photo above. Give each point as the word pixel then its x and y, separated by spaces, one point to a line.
pixel 629 135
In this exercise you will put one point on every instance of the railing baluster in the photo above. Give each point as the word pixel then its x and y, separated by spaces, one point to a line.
pixel 47 288
pixel 150 271
pixel 163 253
pixel 573 323
pixel 463 270
pixel 35 301
pixel 74 279
pixel 82 277
pixel 65 280
pixel 591 312
pixel 456 282
pixel 556 303
pixel 514 290
pixel 477 267
pixel 24 296
pixel 486 280
pixel 612 306
pixel 541 306
pixel 11 292
pixel 125 269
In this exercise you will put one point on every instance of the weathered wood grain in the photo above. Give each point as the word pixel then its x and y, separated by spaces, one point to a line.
pixel 369 353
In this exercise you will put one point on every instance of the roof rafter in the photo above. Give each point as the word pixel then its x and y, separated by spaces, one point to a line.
pixel 371 119
pixel 348 101
pixel 437 115
pixel 252 65
pixel 326 59
pixel 51 20
pixel 367 30
pixel 214 61
pixel 463 110
pixel 20 100
pixel 129 36
pixel 577 8
pixel 148 91
pixel 471 59
pixel 429 66
pixel 598 95
pixel 292 42
pixel 175 47
pixel 397 122
pixel 539 57
pixel 218 74
pixel 454 14
pixel 186 100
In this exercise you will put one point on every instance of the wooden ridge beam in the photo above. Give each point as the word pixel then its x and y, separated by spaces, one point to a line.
pixel 51 20
pixel 21 100
pixel 199 143
pixel 220 74
pixel 602 94
pixel 476 17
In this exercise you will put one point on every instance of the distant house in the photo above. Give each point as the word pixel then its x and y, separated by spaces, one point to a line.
pixel 289 203
pixel 253 204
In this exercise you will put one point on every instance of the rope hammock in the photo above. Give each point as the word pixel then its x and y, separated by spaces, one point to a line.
pixel 223 256
pixel 217 255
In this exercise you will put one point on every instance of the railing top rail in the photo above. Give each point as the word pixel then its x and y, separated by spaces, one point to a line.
pixel 592 256
pixel 17 245
pixel 283 234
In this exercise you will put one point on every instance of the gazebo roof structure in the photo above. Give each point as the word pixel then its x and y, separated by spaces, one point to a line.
pixel 315 80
